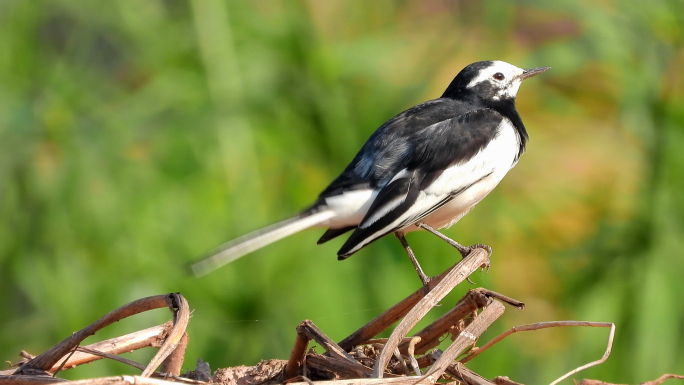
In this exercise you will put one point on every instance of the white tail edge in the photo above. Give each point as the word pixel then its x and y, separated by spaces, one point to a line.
pixel 239 247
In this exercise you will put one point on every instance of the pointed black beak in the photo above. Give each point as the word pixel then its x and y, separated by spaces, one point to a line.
pixel 528 73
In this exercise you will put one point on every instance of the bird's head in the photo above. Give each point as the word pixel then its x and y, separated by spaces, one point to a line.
pixel 490 80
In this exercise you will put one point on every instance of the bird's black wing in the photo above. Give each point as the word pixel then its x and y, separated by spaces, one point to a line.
pixel 416 190
pixel 386 152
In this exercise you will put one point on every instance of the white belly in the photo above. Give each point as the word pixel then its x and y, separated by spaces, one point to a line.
pixel 497 158
pixel 453 211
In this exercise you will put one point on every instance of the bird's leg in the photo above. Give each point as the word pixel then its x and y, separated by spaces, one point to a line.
pixel 464 250
pixel 423 278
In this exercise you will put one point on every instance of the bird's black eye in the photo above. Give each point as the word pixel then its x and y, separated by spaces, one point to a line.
pixel 499 76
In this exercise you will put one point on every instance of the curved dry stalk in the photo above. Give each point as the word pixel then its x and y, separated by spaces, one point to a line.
pixel 181 316
pixel 662 379
pixel 411 353
pixel 47 360
pixel 458 274
pixel 553 324
pixel 174 362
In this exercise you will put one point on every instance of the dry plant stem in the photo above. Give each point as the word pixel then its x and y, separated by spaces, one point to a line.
pixel 340 367
pixel 47 360
pixel 390 316
pixel 123 380
pixel 609 346
pixel 545 325
pixel 467 376
pixel 411 353
pixel 370 381
pixel 504 380
pixel 401 362
pixel 382 341
pixel 114 357
pixel 473 300
pixel 312 332
pixel 307 331
pixel 296 361
pixel 174 362
pixel 504 298
pixel 28 380
pixel 662 379
pixel 65 360
pixel 126 343
pixel 139 366
pixel 657 381
pixel 138 380
pixel 467 337
pixel 181 317
pixel 458 274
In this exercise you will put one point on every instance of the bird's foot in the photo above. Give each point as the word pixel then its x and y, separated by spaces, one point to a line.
pixel 465 250
pixel 469 249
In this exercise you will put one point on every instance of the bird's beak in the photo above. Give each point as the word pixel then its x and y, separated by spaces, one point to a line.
pixel 528 73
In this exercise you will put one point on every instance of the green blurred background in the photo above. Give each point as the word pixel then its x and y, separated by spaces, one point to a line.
pixel 136 136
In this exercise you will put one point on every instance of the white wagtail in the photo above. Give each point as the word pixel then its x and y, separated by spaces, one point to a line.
pixel 423 169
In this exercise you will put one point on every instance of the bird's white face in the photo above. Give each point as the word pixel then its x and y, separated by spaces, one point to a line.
pixel 501 79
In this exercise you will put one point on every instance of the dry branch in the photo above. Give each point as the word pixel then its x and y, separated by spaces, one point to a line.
pixel 467 337
pixel 337 367
pixel 37 370
pixel 113 357
pixel 467 376
pixel 473 300
pixel 312 332
pixel 546 325
pixel 123 380
pixel 395 313
pixel 13 379
pixel 153 336
pixel 296 361
pixel 339 361
pixel 478 257
pixel 47 360
pixel 181 316
pixel 657 381
pixel 174 362
pixel 371 381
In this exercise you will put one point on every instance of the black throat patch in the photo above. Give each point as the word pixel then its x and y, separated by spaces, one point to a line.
pixel 506 107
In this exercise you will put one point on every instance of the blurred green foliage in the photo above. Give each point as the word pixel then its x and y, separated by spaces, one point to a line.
pixel 135 136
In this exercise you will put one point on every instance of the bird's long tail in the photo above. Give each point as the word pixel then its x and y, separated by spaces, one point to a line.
pixel 255 240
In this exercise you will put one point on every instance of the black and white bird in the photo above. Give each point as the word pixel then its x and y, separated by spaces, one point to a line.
pixel 423 169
